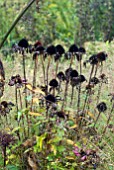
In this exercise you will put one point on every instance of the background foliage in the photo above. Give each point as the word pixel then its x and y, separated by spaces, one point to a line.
pixel 60 20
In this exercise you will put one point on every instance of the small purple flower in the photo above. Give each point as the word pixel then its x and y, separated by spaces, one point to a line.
pixel 76 151
pixel 84 158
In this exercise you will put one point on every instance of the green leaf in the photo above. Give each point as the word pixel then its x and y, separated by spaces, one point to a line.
pixel 19 115
pixel 12 167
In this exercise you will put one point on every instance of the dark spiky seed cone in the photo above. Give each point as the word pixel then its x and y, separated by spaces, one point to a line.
pixel 82 50
pixel 51 50
pixel 73 73
pixel 60 49
pixel 40 49
pixel 68 72
pixel 23 43
pixel 82 78
pixel 50 98
pixel 102 107
pixel 4 103
pixel 94 80
pixel 61 76
pixel 101 56
pixel 73 48
pixel 53 83
pixel 75 81
pixel 61 114
pixel 93 60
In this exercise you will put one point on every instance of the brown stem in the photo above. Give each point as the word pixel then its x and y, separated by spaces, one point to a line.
pixel 65 94
pixel 21 105
pixel 92 69
pixel 24 73
pixel 97 119
pixel 72 95
pixel 4 151
pixel 43 68
pixel 104 131
pixel 47 71
pixel 35 72
pixel 16 98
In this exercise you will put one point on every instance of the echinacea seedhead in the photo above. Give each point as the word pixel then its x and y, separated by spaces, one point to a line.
pixel 53 83
pixel 50 98
pixel 61 76
pixel 102 107
pixel 93 60
pixel 68 72
pixel 61 114
pixel 51 50
pixel 5 108
pixel 16 80
pixel 82 50
pixel 4 104
pixel 23 43
pixel 6 139
pixel 94 80
pixel 60 49
pixel 102 56
pixel 82 78
pixel 73 48
pixel 73 73
pixel 40 49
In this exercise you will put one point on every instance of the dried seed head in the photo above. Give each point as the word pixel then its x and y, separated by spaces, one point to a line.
pixel 73 73
pixel 23 43
pixel 94 80
pixel 102 107
pixel 50 98
pixel 53 83
pixel 82 50
pixel 40 49
pixel 61 76
pixel 102 56
pixel 60 49
pixel 68 72
pixel 93 60
pixel 73 48
pixel 6 139
pixel 51 50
